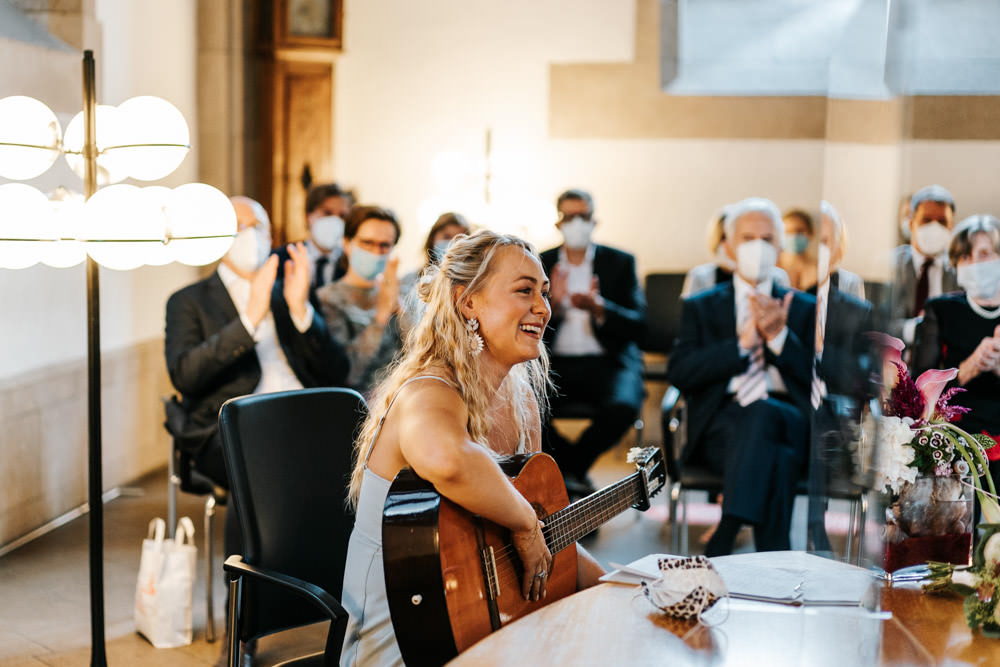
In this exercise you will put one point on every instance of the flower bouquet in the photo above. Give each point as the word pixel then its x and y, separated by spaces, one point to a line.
pixel 930 466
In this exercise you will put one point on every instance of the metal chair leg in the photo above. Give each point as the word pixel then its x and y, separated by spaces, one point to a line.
pixel 685 546
pixel 209 580
pixel 235 592
pixel 862 526
pixel 173 484
pixel 675 536
pixel 851 527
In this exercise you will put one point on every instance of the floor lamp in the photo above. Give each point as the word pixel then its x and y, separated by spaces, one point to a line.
pixel 121 227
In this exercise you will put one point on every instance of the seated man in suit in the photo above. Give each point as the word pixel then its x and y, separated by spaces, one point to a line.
pixel 843 368
pixel 744 362
pixel 598 317
pixel 920 270
pixel 242 330
pixel 327 207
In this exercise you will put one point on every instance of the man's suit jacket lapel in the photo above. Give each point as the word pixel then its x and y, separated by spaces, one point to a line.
pixel 219 296
pixel 723 308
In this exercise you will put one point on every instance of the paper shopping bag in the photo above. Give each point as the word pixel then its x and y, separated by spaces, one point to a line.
pixel 164 588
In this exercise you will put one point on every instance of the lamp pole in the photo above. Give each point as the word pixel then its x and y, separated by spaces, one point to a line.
pixel 98 655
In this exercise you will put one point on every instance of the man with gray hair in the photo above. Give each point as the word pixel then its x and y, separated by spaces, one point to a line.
pixel 921 270
pixel 744 362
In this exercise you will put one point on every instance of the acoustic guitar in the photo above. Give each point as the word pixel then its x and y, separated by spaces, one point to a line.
pixel 452 577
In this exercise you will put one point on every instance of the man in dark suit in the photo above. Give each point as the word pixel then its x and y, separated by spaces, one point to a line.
pixel 744 362
pixel 598 317
pixel 844 364
pixel 921 269
pixel 242 331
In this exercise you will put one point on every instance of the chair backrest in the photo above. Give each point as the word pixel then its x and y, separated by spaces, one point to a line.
pixel 663 311
pixel 289 457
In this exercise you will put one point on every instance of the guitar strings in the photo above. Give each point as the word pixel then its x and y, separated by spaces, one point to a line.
pixel 593 507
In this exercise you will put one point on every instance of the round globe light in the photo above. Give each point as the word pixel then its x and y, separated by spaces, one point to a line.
pixel 155 198
pixel 29 137
pixel 110 166
pixel 154 139
pixel 24 214
pixel 67 218
pixel 201 224
pixel 121 227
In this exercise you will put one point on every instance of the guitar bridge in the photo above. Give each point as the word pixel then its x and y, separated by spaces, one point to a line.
pixel 490 570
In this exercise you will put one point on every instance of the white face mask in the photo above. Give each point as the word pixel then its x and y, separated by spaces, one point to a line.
pixel 723 259
pixel 755 260
pixel 250 250
pixel 328 232
pixel 980 280
pixel 822 263
pixel 932 238
pixel 576 233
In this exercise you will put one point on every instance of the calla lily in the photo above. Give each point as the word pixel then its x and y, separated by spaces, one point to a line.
pixel 990 508
pixel 930 384
pixel 891 349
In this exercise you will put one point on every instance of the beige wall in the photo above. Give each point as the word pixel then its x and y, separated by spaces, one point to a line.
pixel 141 47
pixel 587 111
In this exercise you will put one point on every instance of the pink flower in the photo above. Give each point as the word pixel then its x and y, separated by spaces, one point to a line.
pixel 891 349
pixel 930 384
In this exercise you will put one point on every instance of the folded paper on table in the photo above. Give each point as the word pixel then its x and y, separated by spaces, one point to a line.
pixel 784 577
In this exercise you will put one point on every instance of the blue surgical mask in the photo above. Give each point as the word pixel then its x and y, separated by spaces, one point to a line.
pixel 795 243
pixel 367 264
pixel 439 249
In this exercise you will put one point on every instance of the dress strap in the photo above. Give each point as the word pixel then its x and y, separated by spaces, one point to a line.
pixel 378 429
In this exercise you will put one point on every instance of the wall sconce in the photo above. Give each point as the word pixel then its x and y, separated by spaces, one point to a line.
pixel 120 227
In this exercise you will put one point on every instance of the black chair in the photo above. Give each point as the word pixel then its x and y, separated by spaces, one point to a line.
pixel 663 319
pixel 289 457
pixel 181 476
pixel 693 476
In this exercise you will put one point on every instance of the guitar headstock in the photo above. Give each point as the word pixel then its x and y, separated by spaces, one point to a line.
pixel 649 463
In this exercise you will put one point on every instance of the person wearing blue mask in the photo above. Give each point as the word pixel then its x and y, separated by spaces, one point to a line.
pixel 798 257
pixel 362 309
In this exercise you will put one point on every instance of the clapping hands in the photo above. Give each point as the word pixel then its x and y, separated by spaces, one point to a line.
pixel 296 285
pixel 984 359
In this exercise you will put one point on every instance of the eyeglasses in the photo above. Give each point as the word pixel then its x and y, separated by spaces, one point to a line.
pixel 564 217
pixel 374 246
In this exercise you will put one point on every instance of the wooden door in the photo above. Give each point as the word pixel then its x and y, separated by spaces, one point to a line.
pixel 302 135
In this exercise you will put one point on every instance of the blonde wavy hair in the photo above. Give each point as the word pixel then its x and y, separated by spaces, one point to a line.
pixel 439 341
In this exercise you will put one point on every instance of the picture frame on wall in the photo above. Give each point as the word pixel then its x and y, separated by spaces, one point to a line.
pixel 309 23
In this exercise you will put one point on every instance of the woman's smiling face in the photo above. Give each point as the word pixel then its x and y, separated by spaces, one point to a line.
pixel 512 308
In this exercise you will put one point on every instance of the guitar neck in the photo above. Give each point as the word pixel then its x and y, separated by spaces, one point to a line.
pixel 569 524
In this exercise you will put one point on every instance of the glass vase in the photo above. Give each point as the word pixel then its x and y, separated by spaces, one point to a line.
pixel 930 519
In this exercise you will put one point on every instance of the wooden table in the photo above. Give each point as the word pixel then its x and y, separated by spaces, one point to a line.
pixel 613 624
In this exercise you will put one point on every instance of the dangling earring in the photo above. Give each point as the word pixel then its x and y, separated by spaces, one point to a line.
pixel 475 340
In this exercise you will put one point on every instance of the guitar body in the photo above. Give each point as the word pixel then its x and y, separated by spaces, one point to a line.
pixel 442 597
pixel 452 577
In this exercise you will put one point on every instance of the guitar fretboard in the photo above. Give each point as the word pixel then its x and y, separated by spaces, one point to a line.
pixel 572 522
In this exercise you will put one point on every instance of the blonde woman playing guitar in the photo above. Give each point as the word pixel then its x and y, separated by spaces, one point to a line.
pixel 466 391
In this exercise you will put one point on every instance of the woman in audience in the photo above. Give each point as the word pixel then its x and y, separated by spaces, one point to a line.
pixel 362 308
pixel 466 390
pixel 721 268
pixel 962 329
pixel 445 228
pixel 798 258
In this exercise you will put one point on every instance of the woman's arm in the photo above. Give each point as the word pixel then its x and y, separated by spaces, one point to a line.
pixel 434 442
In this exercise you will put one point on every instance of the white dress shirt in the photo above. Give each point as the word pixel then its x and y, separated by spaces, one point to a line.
pixel 742 297
pixel 575 337
pixel 275 373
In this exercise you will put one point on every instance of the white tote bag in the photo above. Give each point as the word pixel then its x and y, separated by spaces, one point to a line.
pixel 163 591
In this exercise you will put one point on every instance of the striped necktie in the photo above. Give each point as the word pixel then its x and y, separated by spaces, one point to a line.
pixel 818 389
pixel 754 386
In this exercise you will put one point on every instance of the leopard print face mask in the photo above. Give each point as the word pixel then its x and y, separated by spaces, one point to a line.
pixel 687 587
